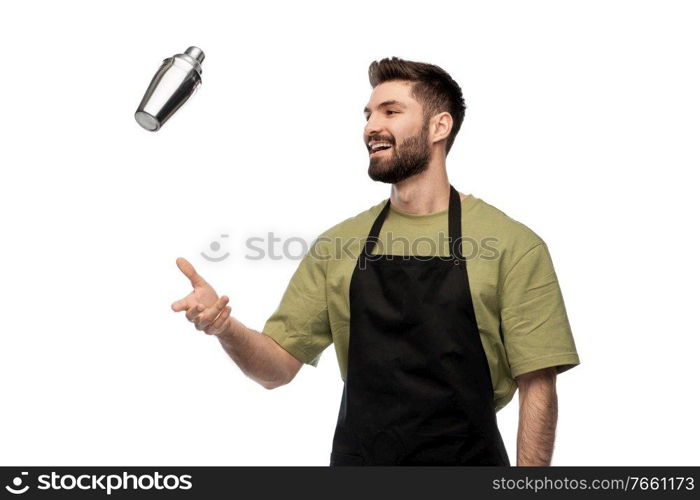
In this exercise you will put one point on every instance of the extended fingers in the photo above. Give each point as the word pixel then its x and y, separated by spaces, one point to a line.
pixel 188 270
pixel 209 315
pixel 193 311
pixel 179 305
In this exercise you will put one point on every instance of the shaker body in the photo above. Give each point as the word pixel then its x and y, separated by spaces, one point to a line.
pixel 175 81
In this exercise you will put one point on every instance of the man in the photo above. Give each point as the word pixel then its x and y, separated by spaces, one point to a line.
pixel 430 342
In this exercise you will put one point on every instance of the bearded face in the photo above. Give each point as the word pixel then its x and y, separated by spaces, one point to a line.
pixel 392 163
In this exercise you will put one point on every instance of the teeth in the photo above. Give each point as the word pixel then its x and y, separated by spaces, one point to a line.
pixel 375 145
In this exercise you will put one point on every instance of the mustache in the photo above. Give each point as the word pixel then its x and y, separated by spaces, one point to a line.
pixel 380 139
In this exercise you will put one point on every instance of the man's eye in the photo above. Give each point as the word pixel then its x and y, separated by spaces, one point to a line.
pixel 388 112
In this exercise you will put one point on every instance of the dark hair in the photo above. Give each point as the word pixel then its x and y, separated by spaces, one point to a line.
pixel 433 87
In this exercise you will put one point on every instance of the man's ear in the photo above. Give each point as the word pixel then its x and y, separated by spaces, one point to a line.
pixel 441 126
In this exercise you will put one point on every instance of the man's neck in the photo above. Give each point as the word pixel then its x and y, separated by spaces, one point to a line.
pixel 422 194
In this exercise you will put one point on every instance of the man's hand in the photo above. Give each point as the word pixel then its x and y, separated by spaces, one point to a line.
pixel 257 355
pixel 209 312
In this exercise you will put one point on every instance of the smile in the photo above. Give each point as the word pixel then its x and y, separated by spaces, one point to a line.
pixel 375 152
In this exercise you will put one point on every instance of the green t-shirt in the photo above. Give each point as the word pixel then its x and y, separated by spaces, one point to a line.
pixel 517 300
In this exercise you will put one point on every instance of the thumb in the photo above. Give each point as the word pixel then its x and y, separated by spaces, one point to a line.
pixel 179 305
pixel 188 270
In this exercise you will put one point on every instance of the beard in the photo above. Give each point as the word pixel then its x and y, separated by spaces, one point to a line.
pixel 404 161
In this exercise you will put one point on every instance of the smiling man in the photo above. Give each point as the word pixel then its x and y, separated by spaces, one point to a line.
pixel 439 305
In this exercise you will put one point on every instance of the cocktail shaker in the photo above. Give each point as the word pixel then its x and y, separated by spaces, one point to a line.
pixel 176 80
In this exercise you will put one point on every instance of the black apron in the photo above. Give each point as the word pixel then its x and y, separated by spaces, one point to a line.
pixel 418 387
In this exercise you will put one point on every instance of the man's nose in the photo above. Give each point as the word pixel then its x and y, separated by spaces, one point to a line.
pixel 372 127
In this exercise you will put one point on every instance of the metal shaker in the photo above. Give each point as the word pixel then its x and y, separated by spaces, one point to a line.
pixel 176 80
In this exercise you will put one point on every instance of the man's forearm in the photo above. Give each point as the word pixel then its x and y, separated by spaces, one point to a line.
pixel 255 354
pixel 538 418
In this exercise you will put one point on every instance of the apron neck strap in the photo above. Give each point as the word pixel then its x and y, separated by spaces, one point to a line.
pixel 455 226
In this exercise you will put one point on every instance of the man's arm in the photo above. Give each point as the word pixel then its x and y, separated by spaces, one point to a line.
pixel 258 356
pixel 538 417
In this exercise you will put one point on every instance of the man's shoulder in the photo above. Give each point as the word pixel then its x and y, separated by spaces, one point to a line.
pixel 513 237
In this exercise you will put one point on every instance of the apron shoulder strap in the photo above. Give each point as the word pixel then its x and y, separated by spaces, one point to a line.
pixel 455 224
pixel 376 227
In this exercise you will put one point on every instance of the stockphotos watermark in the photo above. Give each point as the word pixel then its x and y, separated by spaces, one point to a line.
pixel 274 247
pixel 106 483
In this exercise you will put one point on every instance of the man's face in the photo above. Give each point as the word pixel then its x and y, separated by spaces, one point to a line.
pixel 395 119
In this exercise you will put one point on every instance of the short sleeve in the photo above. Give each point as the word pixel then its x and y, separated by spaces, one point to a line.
pixel 534 324
pixel 300 323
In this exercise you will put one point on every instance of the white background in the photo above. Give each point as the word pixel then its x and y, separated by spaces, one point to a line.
pixel 582 123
